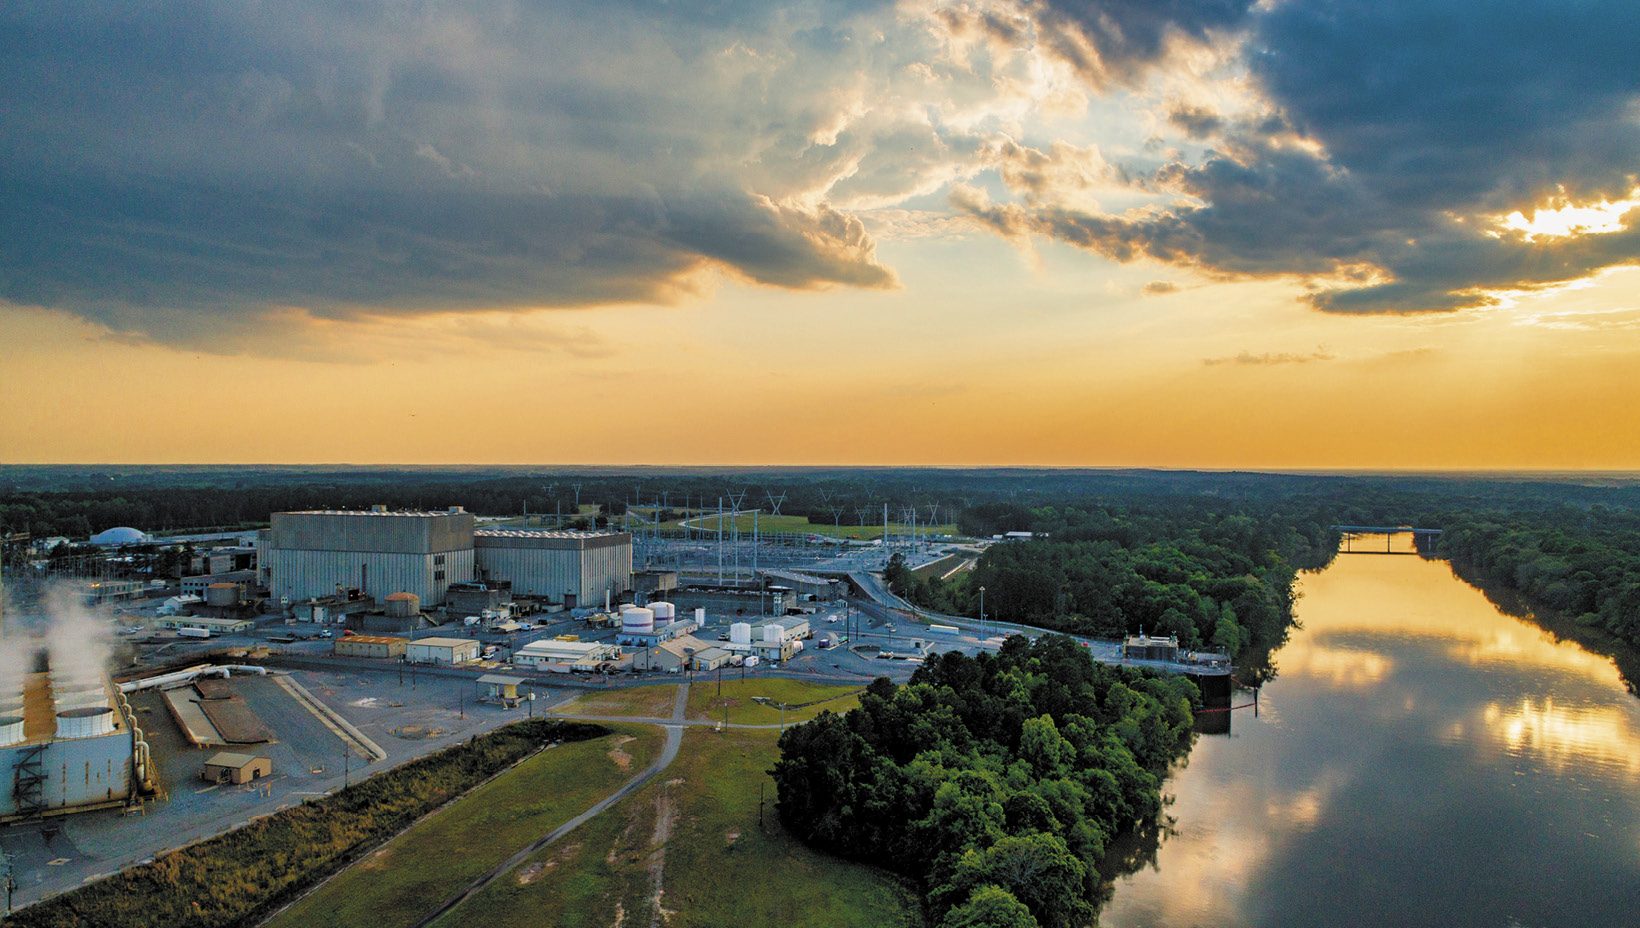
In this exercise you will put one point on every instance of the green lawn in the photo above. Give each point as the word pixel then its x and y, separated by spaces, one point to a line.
pixel 649 702
pixel 706 703
pixel 689 848
pixel 440 855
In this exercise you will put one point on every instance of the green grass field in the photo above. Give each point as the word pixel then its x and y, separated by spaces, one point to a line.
pixel 688 851
pixel 706 703
pixel 789 524
pixel 650 702
pixel 440 855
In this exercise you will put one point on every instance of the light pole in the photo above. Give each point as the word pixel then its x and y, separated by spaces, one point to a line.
pixel 982 612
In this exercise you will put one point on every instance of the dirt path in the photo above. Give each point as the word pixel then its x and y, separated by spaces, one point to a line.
pixel 674 739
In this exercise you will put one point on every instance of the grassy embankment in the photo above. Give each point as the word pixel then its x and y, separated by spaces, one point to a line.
pixel 441 855
pixel 647 702
pixel 689 847
pixel 706 703
pixel 239 878
pixel 936 570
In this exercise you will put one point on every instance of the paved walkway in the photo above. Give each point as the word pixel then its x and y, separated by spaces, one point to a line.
pixel 674 739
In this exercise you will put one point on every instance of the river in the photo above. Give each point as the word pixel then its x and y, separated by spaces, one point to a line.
pixel 1420 759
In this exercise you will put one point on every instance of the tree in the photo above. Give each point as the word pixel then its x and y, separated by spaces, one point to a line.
pixel 990 906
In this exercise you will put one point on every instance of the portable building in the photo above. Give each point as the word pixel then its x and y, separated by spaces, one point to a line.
pixel 442 651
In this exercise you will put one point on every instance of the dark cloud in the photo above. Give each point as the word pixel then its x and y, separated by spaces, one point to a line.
pixel 1159 287
pixel 176 169
pixel 1400 134
pixel 1114 39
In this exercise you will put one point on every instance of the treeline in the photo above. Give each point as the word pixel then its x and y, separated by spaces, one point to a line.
pixel 997 781
pixel 1583 563
pixel 242 877
pixel 1215 573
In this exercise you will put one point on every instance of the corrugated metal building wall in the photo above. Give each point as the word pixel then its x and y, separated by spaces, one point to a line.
pixel 310 554
pixel 574 568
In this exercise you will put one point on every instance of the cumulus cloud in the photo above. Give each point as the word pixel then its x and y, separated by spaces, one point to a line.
pixel 186 172
pixel 1395 142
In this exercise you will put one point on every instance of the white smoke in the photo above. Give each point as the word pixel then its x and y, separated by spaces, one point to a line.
pixel 79 640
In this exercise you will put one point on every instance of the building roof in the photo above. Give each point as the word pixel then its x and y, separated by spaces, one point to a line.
pixel 230 759
pixel 123 535
pixel 446 642
pixel 549 646
pixel 375 639
pixel 502 679
pixel 539 533
pixel 712 653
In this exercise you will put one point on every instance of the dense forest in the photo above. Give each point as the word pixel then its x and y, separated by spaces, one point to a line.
pixel 1584 564
pixel 1216 573
pixel 996 781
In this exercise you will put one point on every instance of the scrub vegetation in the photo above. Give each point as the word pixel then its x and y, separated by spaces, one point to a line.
pixel 239 878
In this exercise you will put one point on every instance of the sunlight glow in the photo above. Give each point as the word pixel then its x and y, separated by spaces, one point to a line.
pixel 1598 218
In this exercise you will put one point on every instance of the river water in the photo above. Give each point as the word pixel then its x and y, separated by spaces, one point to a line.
pixel 1420 759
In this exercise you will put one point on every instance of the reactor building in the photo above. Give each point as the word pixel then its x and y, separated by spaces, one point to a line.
pixel 310 555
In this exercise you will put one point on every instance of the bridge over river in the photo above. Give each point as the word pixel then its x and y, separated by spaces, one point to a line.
pixel 1423 539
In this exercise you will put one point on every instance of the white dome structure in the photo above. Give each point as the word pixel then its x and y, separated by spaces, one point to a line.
pixel 124 535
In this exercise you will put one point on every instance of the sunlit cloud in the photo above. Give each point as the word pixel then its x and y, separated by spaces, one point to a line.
pixel 1564 737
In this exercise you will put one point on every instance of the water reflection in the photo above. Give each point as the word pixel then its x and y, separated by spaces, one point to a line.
pixel 1422 759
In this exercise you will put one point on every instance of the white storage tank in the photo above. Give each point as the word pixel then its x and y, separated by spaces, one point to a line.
pixel 740 633
pixel 11 729
pixel 664 612
pixel 771 634
pixel 638 621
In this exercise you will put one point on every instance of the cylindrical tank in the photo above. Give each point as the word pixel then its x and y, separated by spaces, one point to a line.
pixel 222 594
pixel 771 634
pixel 403 605
pixel 11 729
pixel 741 633
pixel 664 612
pixel 638 621
pixel 85 723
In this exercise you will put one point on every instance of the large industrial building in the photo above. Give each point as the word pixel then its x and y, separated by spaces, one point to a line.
pixel 572 568
pixel 311 554
pixel 68 739
pixel 308 555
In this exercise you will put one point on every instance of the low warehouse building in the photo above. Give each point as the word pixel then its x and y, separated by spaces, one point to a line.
pixel 205 623
pixel 235 768
pixel 442 651
pixel 573 568
pixel 679 654
pixel 376 646
pixel 537 653
pixel 788 628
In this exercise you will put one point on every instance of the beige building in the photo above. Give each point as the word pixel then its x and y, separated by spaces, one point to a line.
pixel 376 646
pixel 573 568
pixel 680 654
pixel 235 768
pixel 442 651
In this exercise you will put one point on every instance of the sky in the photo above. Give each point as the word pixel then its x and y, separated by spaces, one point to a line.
pixel 1194 233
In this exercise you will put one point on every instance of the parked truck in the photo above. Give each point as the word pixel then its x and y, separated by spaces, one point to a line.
pixel 194 632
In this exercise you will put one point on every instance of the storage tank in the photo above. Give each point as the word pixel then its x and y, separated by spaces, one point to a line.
pixel 664 612
pixel 638 621
pixel 222 594
pixel 85 723
pixel 11 729
pixel 740 633
pixel 771 634
pixel 403 605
